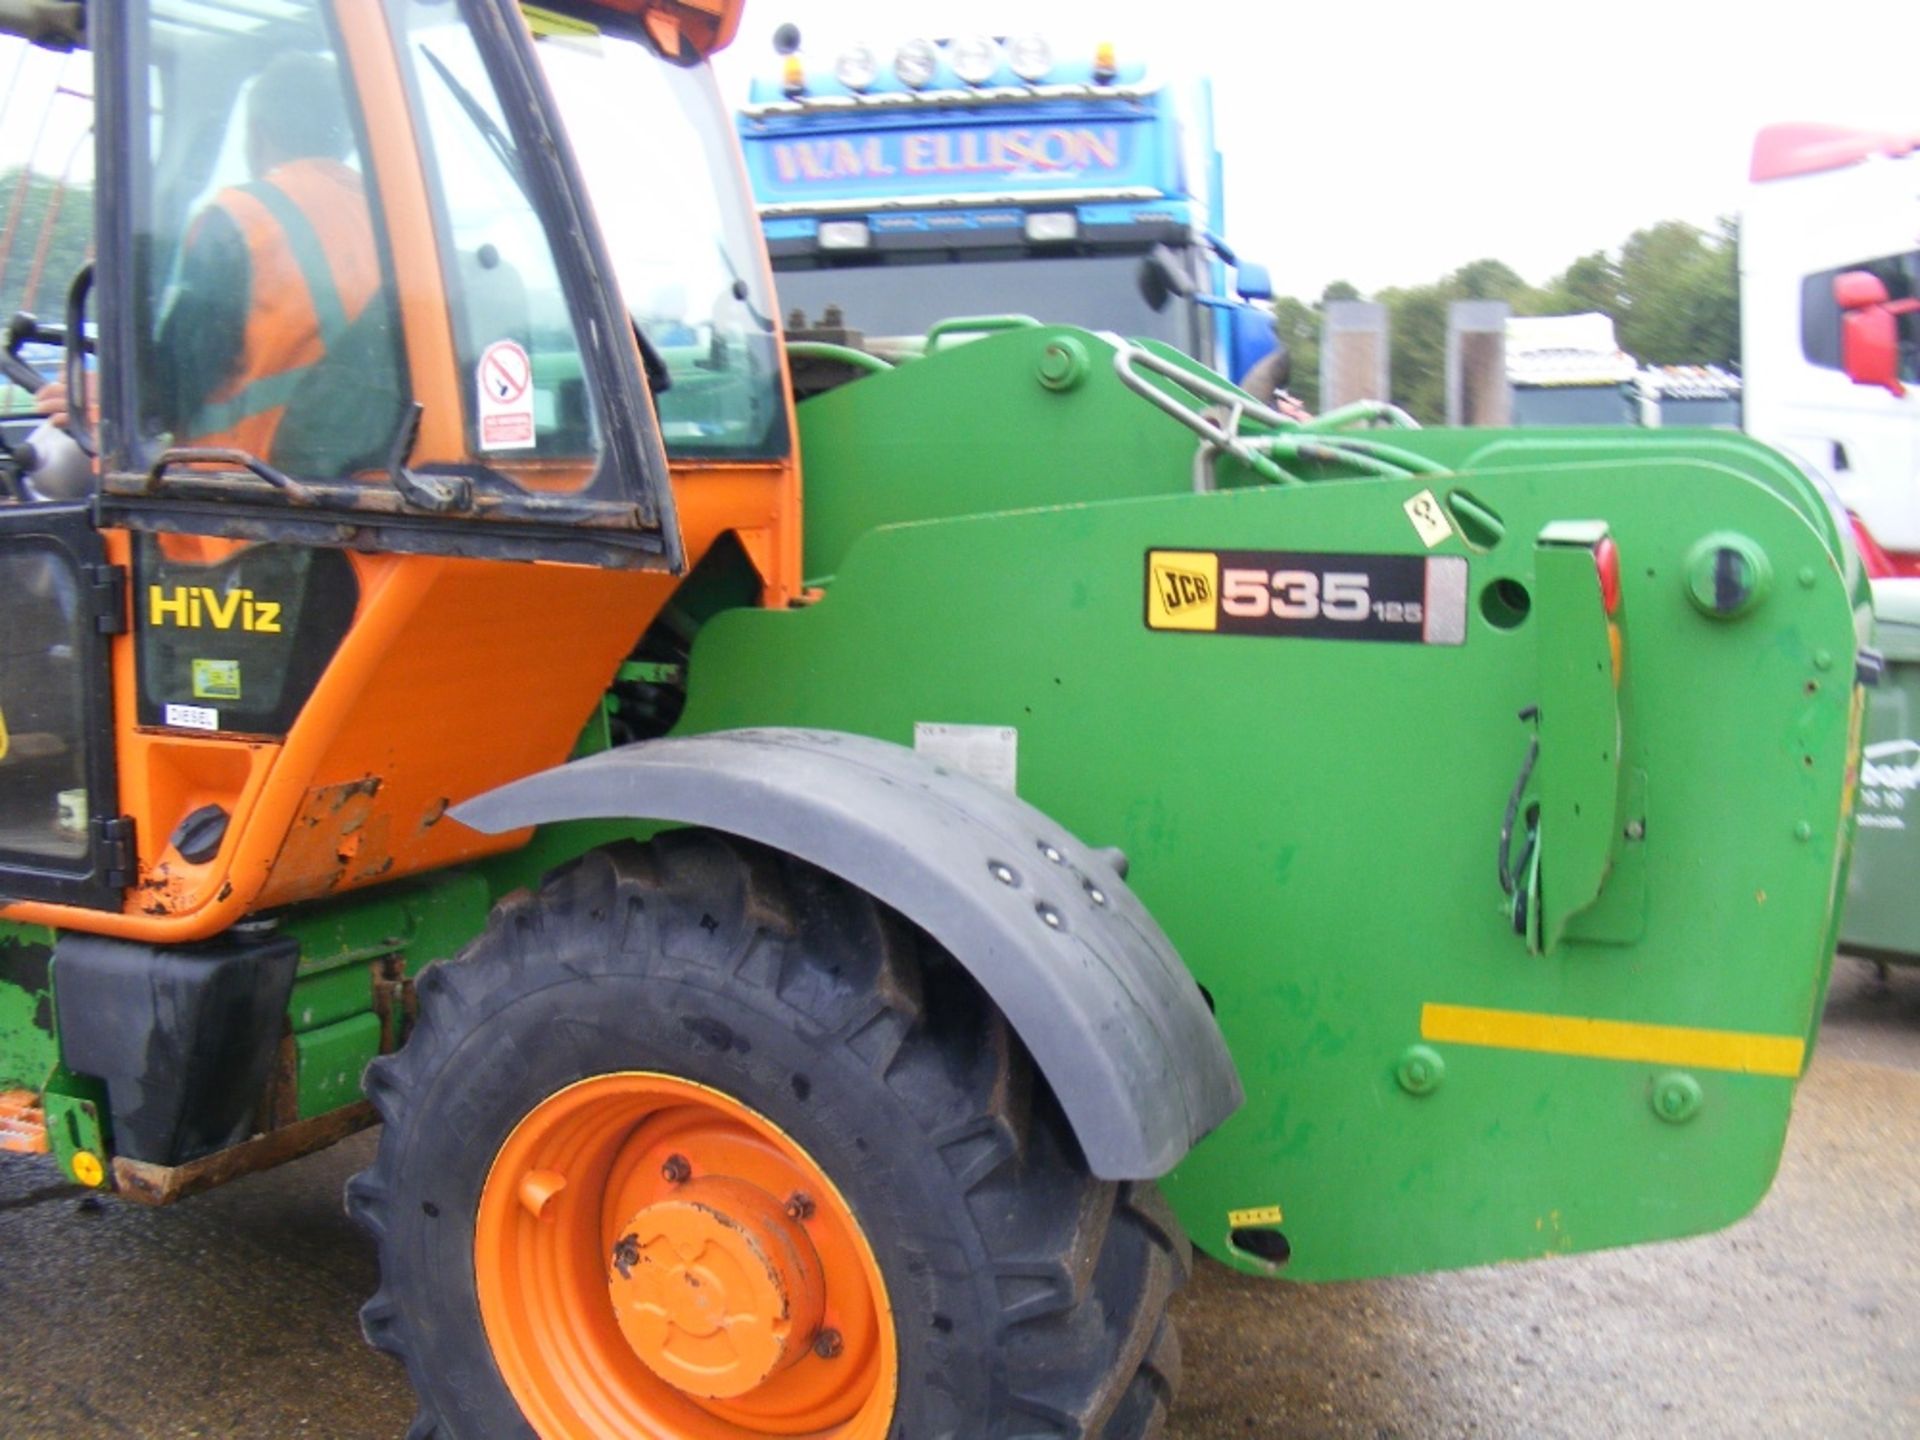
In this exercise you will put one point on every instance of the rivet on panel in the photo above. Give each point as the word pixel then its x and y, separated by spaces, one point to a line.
pixel 1676 1097
pixel 1420 1070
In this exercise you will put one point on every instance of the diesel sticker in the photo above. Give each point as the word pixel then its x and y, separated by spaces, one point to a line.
pixel 216 679
pixel 1412 599
pixel 192 717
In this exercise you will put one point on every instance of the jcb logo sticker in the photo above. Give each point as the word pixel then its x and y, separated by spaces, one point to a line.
pixel 1309 595
pixel 197 607
pixel 1183 590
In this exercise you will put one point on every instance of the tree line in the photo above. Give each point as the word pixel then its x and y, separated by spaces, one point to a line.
pixel 46 235
pixel 1672 290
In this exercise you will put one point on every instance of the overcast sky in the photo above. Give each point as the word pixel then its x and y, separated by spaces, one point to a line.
pixel 1389 143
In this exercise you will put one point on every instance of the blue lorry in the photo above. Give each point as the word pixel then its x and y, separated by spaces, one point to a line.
pixel 900 185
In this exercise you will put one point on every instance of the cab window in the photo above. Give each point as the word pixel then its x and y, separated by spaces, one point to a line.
pixel 1820 315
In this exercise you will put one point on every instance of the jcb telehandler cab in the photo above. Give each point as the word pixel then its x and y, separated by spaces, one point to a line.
pixel 784 960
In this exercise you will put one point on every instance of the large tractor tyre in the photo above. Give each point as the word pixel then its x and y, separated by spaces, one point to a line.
pixel 699 1142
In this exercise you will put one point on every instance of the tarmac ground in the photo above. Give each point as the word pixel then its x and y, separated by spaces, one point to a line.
pixel 233 1314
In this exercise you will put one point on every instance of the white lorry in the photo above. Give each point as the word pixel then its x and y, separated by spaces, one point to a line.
pixel 1830 317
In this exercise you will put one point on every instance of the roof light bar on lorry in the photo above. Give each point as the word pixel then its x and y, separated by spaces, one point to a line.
pixel 1106 63
pixel 974 59
pixel 793 75
pixel 916 63
pixel 857 68
pixel 1031 58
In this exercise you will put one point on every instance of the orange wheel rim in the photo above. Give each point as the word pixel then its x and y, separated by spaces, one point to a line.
pixel 655 1259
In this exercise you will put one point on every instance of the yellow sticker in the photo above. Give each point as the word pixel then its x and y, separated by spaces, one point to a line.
pixel 87 1169
pixel 1183 588
pixel 545 22
pixel 1430 522
pixel 1739 1051
pixel 1259 1215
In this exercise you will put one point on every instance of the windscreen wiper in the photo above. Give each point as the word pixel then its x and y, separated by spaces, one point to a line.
pixel 504 150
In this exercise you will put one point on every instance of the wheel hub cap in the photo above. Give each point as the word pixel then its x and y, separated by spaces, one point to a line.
pixel 716 1288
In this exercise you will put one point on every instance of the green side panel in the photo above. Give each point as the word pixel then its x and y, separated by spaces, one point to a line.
pixel 76 1111
pixel 330 995
pixel 425 920
pixel 1883 899
pixel 330 1061
pixel 28 1048
pixel 1315 821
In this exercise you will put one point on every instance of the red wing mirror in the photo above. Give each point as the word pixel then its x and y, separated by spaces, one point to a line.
pixel 1869 330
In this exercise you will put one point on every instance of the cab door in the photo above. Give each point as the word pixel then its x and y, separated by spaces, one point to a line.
pixel 61 838
pixel 350 292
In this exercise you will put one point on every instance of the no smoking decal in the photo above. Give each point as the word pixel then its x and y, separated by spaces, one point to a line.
pixel 506 397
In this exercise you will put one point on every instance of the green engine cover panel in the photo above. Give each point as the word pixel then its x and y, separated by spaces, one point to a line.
pixel 1313 807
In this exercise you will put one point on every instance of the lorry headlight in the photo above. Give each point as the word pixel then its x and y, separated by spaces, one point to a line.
pixel 916 63
pixel 857 68
pixel 844 235
pixel 1031 58
pixel 974 59
pixel 1045 225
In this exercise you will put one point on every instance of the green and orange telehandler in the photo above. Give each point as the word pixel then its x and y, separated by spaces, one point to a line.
pixel 821 960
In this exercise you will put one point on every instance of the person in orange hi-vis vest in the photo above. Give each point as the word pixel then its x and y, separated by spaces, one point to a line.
pixel 273 272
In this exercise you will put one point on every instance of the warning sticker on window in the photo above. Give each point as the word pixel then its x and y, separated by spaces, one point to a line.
pixel 1414 599
pixel 506 397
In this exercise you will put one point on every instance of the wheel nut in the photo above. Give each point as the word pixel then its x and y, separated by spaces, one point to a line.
pixel 676 1171
pixel 827 1344
pixel 799 1206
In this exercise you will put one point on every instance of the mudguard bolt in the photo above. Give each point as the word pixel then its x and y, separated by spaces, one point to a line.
pixel 1002 872
pixel 1802 831
pixel 676 1171
pixel 799 1206
pixel 1636 830
pixel 827 1344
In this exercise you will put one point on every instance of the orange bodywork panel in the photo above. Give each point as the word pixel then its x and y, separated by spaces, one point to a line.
pixel 455 677
pixel 23 1125
pixel 690 27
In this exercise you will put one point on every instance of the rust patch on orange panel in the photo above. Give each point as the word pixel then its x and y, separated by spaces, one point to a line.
pixel 338 837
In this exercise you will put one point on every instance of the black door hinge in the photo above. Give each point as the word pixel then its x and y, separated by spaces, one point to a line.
pixel 107 587
pixel 113 843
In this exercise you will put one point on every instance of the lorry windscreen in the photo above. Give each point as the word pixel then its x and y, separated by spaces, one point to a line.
pixel 1097 292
